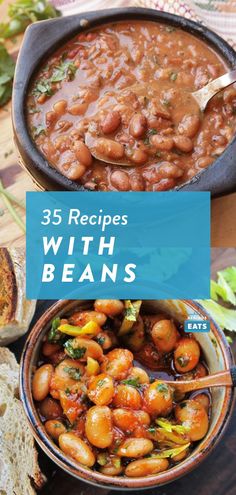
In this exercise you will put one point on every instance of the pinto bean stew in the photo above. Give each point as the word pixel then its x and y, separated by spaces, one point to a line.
pixel 127 86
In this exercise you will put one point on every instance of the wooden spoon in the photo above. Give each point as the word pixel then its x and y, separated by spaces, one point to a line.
pixel 225 378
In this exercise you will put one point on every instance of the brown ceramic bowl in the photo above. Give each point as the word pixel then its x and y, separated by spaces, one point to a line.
pixel 217 355
pixel 43 38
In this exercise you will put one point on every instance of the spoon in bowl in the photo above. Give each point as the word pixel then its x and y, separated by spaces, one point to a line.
pixel 89 141
pixel 201 97
pixel 225 378
pixel 204 95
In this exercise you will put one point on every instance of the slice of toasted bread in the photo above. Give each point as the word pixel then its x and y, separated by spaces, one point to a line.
pixel 7 357
pixel 19 470
pixel 8 288
pixel 15 311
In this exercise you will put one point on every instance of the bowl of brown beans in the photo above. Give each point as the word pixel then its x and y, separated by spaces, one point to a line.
pixel 93 386
pixel 108 88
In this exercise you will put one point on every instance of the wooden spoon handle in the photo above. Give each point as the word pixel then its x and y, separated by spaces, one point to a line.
pixel 225 378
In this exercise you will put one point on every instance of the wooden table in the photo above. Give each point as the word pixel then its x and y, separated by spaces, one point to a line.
pixel 18 182
pixel 215 476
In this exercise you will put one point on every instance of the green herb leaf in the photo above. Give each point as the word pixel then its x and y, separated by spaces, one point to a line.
pixel 170 29
pixel 54 336
pixel 229 275
pixel 222 289
pixel 74 373
pixel 7 67
pixel 183 361
pixel 102 459
pixel 133 382
pixel 36 131
pixel 100 383
pixel 152 430
pixel 166 103
pixel 173 76
pixel 74 353
pixel 216 291
pixel 163 388
pixel 9 199
pixel 130 311
pixel 100 340
pixel 116 462
pixel 151 132
pixel 23 12
pixel 66 70
pixel 226 318
pixel 43 87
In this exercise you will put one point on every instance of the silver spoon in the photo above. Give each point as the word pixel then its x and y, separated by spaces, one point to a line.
pixel 202 97
pixel 89 140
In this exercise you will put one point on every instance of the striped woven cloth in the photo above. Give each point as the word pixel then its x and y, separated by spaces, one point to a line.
pixel 219 15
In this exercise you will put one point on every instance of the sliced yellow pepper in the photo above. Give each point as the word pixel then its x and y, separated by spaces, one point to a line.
pixel 92 367
pixel 91 329
pixel 171 452
pixel 162 436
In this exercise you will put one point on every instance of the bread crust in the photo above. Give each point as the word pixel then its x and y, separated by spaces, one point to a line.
pixel 8 287
pixel 15 311
pixel 14 428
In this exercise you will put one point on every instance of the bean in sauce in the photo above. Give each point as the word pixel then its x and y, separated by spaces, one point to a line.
pixel 100 389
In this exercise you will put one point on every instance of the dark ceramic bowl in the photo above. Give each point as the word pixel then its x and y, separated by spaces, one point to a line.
pixel 216 353
pixel 43 38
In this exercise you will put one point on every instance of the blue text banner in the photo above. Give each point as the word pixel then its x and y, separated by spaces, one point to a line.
pixel 118 245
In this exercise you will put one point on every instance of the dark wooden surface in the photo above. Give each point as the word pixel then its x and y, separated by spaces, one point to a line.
pixel 215 476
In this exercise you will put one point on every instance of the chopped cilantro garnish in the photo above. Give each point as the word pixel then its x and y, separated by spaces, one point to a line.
pixel 100 383
pixel 100 340
pixel 36 131
pixel 133 382
pixel 54 336
pixel 7 67
pixel 152 429
pixel 166 103
pixel 116 462
pixel 149 133
pixel 173 76
pixel 74 373
pixel 43 87
pixel 66 70
pixel 170 29
pixel 183 361
pixel 74 353
pixel 163 388
pixel 57 425
pixel 152 131
pixel 102 459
